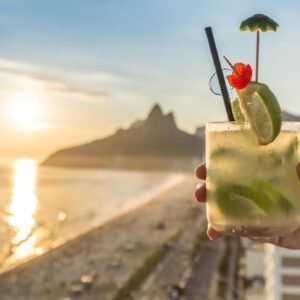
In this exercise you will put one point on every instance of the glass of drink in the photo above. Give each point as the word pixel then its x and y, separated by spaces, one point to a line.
pixel 253 189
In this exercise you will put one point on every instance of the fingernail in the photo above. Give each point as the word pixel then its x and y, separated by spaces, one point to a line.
pixel 200 192
pixel 212 233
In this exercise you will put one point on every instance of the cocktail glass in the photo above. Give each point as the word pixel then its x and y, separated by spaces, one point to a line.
pixel 252 189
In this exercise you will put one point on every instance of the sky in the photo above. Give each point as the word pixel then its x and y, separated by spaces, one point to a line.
pixel 74 71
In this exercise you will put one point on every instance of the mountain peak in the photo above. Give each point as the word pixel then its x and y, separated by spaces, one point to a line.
pixel 157 120
pixel 171 119
pixel 155 113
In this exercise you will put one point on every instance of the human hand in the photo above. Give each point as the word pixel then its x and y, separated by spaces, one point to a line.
pixel 291 241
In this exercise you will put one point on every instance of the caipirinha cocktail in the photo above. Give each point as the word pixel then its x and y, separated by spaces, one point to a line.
pixel 252 181
pixel 253 189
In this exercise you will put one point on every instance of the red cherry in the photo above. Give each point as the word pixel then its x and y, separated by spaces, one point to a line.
pixel 241 76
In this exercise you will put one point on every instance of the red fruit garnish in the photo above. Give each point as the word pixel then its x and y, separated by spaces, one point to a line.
pixel 241 76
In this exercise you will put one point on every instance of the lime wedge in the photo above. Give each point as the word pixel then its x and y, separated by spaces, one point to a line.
pixel 251 194
pixel 280 203
pixel 235 200
pixel 261 108
pixel 236 110
pixel 223 152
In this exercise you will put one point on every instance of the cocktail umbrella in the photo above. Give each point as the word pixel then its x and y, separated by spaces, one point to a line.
pixel 258 22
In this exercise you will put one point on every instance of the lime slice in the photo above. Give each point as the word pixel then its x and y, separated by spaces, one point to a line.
pixel 251 194
pixel 236 206
pixel 226 152
pixel 280 203
pixel 236 110
pixel 261 108
pixel 235 200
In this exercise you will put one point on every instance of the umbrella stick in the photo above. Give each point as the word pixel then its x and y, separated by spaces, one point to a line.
pixel 257 55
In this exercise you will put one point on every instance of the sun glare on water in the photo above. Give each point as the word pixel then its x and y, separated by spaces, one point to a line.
pixel 25 111
pixel 23 206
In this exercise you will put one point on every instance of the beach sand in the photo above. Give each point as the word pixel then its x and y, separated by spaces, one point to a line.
pixel 96 265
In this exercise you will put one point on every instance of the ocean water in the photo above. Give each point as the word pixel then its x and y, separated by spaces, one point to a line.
pixel 41 207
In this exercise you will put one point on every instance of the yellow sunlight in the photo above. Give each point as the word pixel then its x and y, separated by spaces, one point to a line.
pixel 23 206
pixel 25 111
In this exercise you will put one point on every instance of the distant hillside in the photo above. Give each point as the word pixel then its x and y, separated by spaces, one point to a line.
pixel 154 141
pixel 290 117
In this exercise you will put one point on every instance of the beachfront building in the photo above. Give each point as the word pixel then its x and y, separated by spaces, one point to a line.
pixel 252 269
pixel 282 273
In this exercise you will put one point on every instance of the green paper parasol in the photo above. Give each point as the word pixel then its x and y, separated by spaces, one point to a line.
pixel 258 22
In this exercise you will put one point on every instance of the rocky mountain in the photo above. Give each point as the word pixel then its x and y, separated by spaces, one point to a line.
pixel 156 137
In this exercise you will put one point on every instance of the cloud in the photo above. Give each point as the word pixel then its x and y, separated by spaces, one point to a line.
pixel 81 86
pixel 13 65
pixel 79 83
pixel 60 86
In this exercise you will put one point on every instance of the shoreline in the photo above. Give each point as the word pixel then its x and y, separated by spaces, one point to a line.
pixel 145 199
pixel 134 163
pixel 109 254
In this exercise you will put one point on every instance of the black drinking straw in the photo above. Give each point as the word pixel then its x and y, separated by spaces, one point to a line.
pixel 221 79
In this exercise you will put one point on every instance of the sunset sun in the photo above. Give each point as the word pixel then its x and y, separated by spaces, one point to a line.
pixel 25 112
